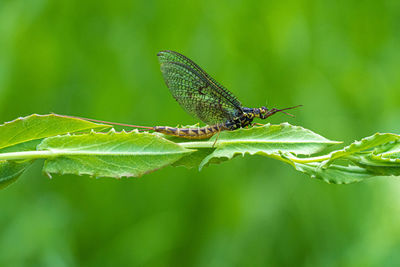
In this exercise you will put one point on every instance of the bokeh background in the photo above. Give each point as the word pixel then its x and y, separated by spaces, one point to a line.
pixel 97 59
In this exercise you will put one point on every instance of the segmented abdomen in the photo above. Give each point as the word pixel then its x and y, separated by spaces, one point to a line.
pixel 191 133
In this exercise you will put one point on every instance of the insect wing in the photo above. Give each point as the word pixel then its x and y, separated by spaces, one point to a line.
pixel 196 91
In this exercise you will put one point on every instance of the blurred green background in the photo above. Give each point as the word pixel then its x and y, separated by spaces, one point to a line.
pixel 97 59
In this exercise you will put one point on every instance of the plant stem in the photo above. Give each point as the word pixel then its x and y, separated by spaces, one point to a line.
pixel 56 153
pixel 196 144
pixel 26 155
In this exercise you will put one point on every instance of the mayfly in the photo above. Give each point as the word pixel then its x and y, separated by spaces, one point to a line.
pixel 204 98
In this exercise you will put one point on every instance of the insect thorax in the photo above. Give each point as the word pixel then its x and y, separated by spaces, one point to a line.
pixel 244 119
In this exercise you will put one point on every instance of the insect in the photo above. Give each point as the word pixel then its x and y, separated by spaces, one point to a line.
pixel 204 98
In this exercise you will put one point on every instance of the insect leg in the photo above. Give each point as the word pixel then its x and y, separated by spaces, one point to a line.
pixel 216 138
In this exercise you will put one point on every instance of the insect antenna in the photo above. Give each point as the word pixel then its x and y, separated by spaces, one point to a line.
pixel 287 113
pixel 275 110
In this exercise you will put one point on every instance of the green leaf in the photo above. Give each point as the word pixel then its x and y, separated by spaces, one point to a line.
pixel 378 165
pixel 110 154
pixel 26 146
pixel 10 171
pixel 266 140
pixel 336 174
pixel 193 160
pixel 364 144
pixel 35 127
pixel 389 151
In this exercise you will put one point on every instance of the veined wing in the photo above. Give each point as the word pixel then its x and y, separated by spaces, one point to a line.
pixel 196 91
